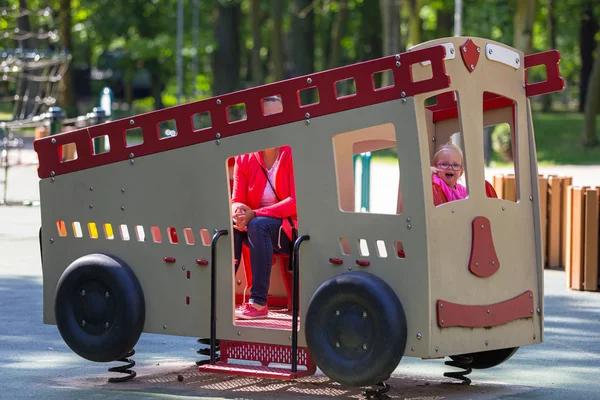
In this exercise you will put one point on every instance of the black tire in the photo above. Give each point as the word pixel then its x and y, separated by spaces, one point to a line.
pixel 105 293
pixel 491 358
pixel 337 329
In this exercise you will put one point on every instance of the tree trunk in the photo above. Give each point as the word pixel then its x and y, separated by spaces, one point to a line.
pixel 550 24
pixel 523 23
pixel 370 43
pixel 303 43
pixel 24 25
pixel 592 104
pixel 227 54
pixel 414 6
pixel 390 16
pixel 67 90
pixel 257 77
pixel 589 27
pixel 277 41
pixel 445 22
pixel 337 33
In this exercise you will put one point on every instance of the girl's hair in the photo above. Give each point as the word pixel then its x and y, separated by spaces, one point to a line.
pixel 447 147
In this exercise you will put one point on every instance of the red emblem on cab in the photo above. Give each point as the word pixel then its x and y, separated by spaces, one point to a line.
pixel 470 54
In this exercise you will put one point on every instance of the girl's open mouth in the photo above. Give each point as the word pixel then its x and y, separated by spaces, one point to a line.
pixel 450 174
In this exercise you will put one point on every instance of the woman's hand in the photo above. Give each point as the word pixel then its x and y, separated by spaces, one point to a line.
pixel 242 217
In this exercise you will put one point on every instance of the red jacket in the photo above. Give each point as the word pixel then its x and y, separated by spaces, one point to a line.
pixel 440 198
pixel 249 182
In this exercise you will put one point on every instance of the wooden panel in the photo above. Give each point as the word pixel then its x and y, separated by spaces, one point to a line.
pixel 498 183
pixel 543 183
pixel 577 239
pixel 510 190
pixel 566 182
pixel 568 233
pixel 590 256
pixel 555 197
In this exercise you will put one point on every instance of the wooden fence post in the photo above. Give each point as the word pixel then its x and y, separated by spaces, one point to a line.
pixel 590 257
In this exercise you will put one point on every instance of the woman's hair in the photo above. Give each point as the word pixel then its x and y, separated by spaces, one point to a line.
pixel 447 147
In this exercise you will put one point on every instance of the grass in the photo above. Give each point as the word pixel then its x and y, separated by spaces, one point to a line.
pixel 558 140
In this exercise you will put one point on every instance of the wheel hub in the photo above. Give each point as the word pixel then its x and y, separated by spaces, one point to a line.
pixel 94 307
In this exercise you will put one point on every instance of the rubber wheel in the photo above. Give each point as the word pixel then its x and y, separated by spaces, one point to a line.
pixel 356 329
pixel 491 358
pixel 99 307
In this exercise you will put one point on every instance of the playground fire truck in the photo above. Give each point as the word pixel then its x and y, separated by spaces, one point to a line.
pixel 139 238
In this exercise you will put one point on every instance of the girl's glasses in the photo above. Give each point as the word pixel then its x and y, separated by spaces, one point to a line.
pixel 445 165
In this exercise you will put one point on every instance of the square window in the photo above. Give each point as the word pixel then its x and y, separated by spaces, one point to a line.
pixel 201 121
pixel 345 88
pixel 236 113
pixel 133 137
pixel 167 129
pixel 308 97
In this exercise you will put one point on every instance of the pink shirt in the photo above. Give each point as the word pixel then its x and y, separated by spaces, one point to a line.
pixel 459 193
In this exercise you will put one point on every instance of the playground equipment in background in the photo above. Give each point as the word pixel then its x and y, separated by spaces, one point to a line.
pixel 136 239
pixel 570 220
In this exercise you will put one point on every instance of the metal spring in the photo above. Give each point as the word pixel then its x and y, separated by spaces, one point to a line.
pixel 379 393
pixel 206 351
pixel 462 362
pixel 124 369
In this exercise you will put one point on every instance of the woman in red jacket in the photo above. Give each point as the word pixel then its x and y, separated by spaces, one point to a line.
pixel 264 212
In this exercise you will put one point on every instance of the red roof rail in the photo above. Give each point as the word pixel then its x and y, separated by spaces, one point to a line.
pixel 293 111
pixel 554 82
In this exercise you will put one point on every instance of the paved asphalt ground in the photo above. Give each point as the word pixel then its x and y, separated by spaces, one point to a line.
pixel 35 362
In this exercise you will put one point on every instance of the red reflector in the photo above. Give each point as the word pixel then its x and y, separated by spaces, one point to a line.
pixel 401 254
pixel 201 262
pixel 187 300
pixel 336 261
pixel 169 260
pixel 363 263
pixel 188 274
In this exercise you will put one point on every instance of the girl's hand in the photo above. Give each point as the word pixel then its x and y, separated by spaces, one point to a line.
pixel 243 215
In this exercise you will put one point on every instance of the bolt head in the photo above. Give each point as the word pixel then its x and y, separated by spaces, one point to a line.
pixel 538 310
pixel 131 155
pixel 218 102
pixel 218 141
pixel 419 336
pixel 309 81
pixel 403 101
pixel 337 312
pixel 530 311
pixel 307 115
pixel 477 264
pixel 52 179
pixel 441 305
pixel 83 323
pixel 408 226
pixel 106 325
pixel 488 311
pixel 350 268
pixel 122 207
pixel 436 349
pixel 493 262
pixel 82 292
pixel 131 162
pixel 479 49
pixel 239 282
pixel 122 190
pixel 106 294
pixel 52 173
pixel 364 314
pixel 337 344
pixel 482 226
pixel 364 346
pixel 397 56
pixel 408 219
pixel 517 60
pixel 398 63
pixel 131 122
pixel 472 66
pixel 53 141
pixel 453 211
pixel 490 51
pixel 91 206
pixel 433 139
pixel 451 50
pixel 239 333
pixel 534 336
pixel 403 94
pixel 502 208
pixel 307 122
pixel 51 240
pixel 442 322
pixel 91 188
pixel 412 348
pixel 530 198
pixel 464 49
pixel 164 327
pixel 486 342
pixel 218 135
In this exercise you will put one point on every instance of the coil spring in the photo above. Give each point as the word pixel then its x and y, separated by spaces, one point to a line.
pixel 379 393
pixel 462 362
pixel 124 369
pixel 205 351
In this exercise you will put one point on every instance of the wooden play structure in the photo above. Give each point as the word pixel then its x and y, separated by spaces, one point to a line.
pixel 138 238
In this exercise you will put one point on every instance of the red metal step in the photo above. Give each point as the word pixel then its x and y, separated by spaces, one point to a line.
pixel 266 354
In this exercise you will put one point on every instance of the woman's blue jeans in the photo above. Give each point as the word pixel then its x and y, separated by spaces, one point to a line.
pixel 263 239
